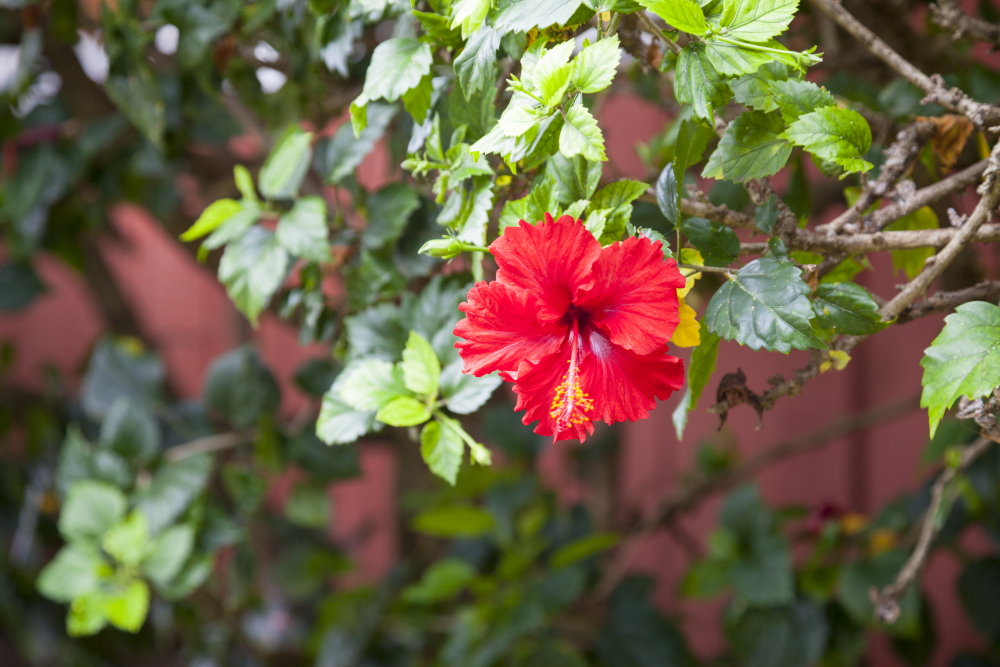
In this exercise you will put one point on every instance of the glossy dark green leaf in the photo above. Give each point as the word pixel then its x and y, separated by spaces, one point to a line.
pixel 847 308
pixel 751 148
pixel 240 388
pixel 718 244
pixel 667 196
pixel 19 286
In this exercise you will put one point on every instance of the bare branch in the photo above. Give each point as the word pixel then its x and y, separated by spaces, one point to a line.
pixel 958 181
pixel 990 192
pixel 886 602
pixel 903 240
pixel 720 214
pixel 208 445
pixel 982 115
pixel 949 15
pixel 943 302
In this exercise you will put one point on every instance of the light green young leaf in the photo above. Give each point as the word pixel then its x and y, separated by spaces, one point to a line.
pixel 755 91
pixel 74 572
pixel 703 359
pixel 397 65
pixel 964 360
pixel 214 215
pixel 421 367
pixel 128 541
pixel 617 198
pixel 87 614
pixel 252 269
pixel 476 64
pixel 126 608
pixel 913 260
pixel 168 553
pixel 442 581
pixel 339 423
pixel 751 148
pixel 518 120
pixel 302 231
pixel 765 305
pixel 684 15
pixel 594 68
pixel 90 509
pixel 796 97
pixel 523 15
pixel 477 452
pixel 839 135
pixel 454 521
pixel 234 227
pixel 581 136
pixel 758 20
pixel 371 384
pixel 697 83
pixel 442 451
pixel 244 183
pixel 550 75
pixel 737 59
pixel 596 220
pixel 847 308
pixel 286 166
pixel 469 15
pixel 174 487
pixel 464 394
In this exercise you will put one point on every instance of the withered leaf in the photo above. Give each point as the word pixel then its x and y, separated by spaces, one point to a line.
pixel 733 391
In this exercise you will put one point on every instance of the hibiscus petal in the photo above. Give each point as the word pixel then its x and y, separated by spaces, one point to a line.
pixel 501 329
pixel 633 297
pixel 622 384
pixel 536 387
pixel 552 260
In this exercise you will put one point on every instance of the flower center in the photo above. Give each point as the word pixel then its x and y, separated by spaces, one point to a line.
pixel 570 404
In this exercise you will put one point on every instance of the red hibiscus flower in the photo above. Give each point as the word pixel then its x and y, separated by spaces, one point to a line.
pixel 581 330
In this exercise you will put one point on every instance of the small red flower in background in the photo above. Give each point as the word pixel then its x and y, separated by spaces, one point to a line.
pixel 581 330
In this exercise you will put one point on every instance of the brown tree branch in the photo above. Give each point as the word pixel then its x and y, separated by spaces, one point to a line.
pixel 943 302
pixel 982 115
pixel 956 182
pixel 949 15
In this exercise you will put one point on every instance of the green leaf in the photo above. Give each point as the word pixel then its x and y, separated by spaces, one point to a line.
pixel 475 66
pixel 692 139
pixel 581 136
pixel 718 244
pixel 767 215
pixel 286 166
pixel 913 260
pixel 667 196
pixel 233 227
pixel 685 15
pixel 344 153
pixel 175 485
pixel 478 452
pixel 214 215
pixel 302 231
pixel 19 286
pixel 697 83
pixel 595 66
pixel 168 553
pixel 763 576
pixel 847 308
pixel 700 370
pixel 839 135
pixel 636 633
pixel 550 75
pixel 244 183
pixel 339 423
pixel 464 394
pixel 397 65
pixel 617 198
pixel 252 269
pixel 442 581
pixel 734 60
pixel 453 521
pixel 308 506
pixel 858 578
pixel 755 90
pixel 705 579
pixel 417 100
pixel 585 547
pixel 131 431
pixel 796 97
pixel 421 367
pixel 90 509
pixel 76 571
pixel 87 614
pixel 765 305
pixel 403 411
pixel 964 360
pixel 793 635
pixel 442 450
pixel 575 178
pixel 469 14
pixel 138 97
pixel 758 20
pixel 977 586
pixel 751 148
pixel 523 15
pixel 241 388
pixel 128 541
pixel 371 384
pixel 126 608
pixel 388 211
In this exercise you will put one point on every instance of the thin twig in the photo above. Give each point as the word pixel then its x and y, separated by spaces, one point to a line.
pixel 886 601
pixel 942 302
pixel 707 269
pixel 949 15
pixel 208 444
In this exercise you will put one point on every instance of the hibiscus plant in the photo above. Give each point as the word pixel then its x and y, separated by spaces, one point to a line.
pixel 423 191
